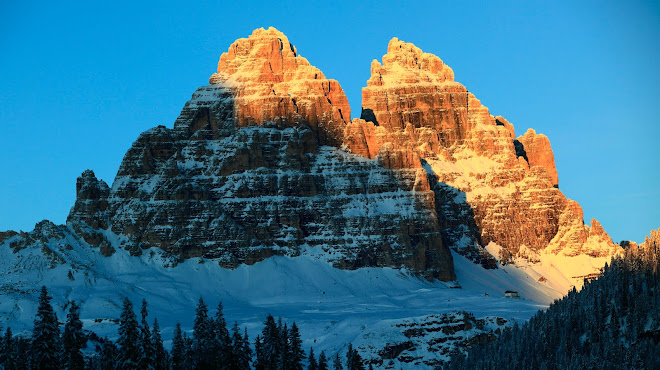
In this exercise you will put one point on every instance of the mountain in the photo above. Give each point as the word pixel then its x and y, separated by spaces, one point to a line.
pixel 264 181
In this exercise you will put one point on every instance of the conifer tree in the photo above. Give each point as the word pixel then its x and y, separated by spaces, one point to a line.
pixel 222 346
pixel 353 359
pixel 20 353
pixel 45 347
pixel 189 356
pixel 246 354
pixel 73 339
pixel 203 338
pixel 336 362
pixel 3 356
pixel 284 348
pixel 146 347
pixel 236 347
pixel 295 348
pixel 8 346
pixel 108 355
pixel 161 358
pixel 311 361
pixel 323 361
pixel 270 344
pixel 129 335
pixel 608 323
pixel 178 349
pixel 260 361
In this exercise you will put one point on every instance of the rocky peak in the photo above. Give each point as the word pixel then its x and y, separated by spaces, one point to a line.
pixel 539 153
pixel 91 201
pixel 270 82
pixel 489 186
pixel 406 63
pixel 89 187
pixel 414 87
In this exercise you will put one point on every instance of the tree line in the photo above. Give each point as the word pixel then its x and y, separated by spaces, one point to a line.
pixel 140 346
pixel 612 323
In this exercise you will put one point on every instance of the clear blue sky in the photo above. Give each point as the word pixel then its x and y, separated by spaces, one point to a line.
pixel 81 80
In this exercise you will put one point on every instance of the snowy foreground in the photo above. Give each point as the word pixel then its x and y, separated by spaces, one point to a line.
pixel 370 307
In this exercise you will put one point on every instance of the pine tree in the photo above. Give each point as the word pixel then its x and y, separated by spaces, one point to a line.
pixel 3 355
pixel 129 335
pixel 222 348
pixel 108 354
pixel 161 358
pixel 336 362
pixel 178 349
pixel 203 338
pixel 284 348
pixel 45 347
pixel 9 362
pixel 73 339
pixel 270 344
pixel 189 356
pixel 295 348
pixel 353 359
pixel 20 353
pixel 311 361
pixel 246 354
pixel 323 361
pixel 236 348
pixel 260 361
pixel 605 325
pixel 146 347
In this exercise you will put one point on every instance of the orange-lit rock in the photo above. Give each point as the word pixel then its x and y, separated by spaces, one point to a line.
pixel 489 186
pixel 272 83
pixel 539 153
pixel 503 122
pixel 417 88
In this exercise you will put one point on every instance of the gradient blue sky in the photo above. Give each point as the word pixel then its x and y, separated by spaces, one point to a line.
pixel 81 80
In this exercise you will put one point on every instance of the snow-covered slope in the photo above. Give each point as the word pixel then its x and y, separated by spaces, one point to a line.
pixel 393 317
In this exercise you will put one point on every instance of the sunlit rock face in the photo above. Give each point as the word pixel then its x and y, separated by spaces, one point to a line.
pixel 538 152
pixel 490 186
pixel 270 82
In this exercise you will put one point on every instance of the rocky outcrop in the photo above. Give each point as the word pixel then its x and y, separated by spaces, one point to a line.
pixel 539 153
pixel 428 341
pixel 91 201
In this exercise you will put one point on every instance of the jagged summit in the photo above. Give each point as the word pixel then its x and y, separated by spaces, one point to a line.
pixel 406 63
pixel 271 82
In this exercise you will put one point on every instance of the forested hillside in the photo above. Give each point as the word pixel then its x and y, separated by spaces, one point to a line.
pixel 613 322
